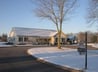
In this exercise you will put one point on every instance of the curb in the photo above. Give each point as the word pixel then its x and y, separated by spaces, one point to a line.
pixel 69 69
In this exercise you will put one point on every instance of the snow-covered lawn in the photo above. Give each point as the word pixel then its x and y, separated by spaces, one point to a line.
pixel 67 57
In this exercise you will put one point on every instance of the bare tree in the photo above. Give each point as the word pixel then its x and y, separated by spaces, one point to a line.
pixel 94 39
pixel 0 38
pixel 56 11
pixel 4 37
pixel 92 14
pixel 81 36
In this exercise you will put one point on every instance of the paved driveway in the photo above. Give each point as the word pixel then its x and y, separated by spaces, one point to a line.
pixel 16 59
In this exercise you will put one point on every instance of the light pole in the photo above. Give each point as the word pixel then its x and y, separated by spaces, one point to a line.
pixel 85 50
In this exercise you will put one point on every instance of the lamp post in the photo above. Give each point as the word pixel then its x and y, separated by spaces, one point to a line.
pixel 85 50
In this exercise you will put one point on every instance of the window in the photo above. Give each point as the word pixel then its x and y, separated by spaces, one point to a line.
pixel 56 39
pixel 25 39
pixel 63 40
pixel 20 39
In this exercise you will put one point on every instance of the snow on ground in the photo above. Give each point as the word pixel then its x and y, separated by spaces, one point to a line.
pixel 94 45
pixel 47 50
pixel 3 44
pixel 67 57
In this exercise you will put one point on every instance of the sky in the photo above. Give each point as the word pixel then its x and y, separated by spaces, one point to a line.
pixel 20 13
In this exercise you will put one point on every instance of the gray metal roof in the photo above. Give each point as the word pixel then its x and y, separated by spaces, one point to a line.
pixel 19 31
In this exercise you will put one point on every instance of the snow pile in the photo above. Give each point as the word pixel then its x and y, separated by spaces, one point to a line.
pixel 67 57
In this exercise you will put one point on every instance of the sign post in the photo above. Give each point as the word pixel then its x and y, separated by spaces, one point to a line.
pixel 86 50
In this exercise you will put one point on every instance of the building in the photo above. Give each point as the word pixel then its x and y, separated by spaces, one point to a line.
pixel 19 35
pixel 72 39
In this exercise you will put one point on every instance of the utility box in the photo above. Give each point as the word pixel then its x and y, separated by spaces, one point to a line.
pixel 81 48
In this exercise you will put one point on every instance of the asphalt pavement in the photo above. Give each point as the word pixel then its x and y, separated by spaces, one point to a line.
pixel 16 59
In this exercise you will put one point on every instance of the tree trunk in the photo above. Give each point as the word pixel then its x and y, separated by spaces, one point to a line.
pixel 56 11
pixel 59 39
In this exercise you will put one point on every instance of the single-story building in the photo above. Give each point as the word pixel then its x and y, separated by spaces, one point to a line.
pixel 72 39
pixel 20 35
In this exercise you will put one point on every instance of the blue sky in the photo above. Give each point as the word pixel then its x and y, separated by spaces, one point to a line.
pixel 19 13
